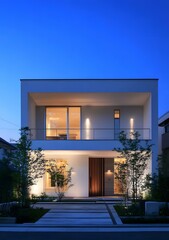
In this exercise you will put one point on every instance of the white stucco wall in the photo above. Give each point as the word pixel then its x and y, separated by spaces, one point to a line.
pixel 80 175
pixel 38 188
pixel 147 117
pixel 101 118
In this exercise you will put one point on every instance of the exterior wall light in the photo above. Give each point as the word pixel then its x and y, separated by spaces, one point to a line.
pixel 87 123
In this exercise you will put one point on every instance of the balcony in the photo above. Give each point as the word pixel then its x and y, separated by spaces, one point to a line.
pixel 76 134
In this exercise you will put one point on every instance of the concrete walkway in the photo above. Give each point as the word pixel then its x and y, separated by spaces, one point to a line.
pixel 79 214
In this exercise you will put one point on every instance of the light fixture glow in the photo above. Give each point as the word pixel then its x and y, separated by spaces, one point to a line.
pixel 131 123
pixel 87 124
pixel 131 127
pixel 109 171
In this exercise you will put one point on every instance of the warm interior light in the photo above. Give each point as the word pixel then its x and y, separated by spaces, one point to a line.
pixel 116 114
pixel 109 171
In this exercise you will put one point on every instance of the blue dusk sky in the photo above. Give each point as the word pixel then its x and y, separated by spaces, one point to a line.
pixel 80 39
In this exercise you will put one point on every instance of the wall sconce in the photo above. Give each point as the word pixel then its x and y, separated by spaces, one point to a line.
pixel 131 127
pixel 109 171
pixel 87 125
pixel 73 172
pixel 131 123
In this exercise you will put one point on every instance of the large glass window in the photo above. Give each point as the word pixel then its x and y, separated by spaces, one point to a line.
pixel 74 122
pixel 63 123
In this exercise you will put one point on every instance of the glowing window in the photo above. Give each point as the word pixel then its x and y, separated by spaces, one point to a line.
pixel 63 123
pixel 116 114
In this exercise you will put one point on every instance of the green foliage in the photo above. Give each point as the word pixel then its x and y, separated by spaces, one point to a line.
pixel 20 169
pixel 29 165
pixel 27 215
pixel 157 185
pixel 121 175
pixel 137 156
pixel 60 175
pixel 136 209
pixel 43 197
pixel 7 183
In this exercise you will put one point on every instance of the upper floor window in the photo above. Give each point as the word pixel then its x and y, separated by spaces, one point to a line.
pixel 63 123
pixel 116 114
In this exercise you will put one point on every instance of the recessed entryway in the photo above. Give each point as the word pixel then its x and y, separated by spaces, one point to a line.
pixel 102 181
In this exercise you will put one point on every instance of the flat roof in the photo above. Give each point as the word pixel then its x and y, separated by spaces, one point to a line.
pixel 78 79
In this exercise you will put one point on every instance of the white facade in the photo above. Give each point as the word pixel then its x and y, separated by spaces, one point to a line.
pixel 97 99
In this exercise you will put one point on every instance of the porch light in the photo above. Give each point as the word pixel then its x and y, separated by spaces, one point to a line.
pixel 109 171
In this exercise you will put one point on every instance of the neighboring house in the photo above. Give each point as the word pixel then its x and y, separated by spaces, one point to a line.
pixel 163 142
pixel 163 134
pixel 4 145
pixel 79 120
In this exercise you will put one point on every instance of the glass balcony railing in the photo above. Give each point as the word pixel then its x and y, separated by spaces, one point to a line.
pixel 87 133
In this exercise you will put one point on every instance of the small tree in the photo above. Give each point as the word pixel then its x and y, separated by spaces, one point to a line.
pixel 60 175
pixel 137 157
pixel 29 165
pixel 121 176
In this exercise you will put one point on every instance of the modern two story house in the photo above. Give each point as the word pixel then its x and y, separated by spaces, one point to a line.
pixel 79 121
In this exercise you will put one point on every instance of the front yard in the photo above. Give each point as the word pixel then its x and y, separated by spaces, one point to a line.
pixel 135 214
pixel 23 215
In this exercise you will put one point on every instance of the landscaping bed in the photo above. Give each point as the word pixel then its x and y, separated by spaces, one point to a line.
pixel 22 215
pixel 29 215
pixel 135 214
pixel 144 219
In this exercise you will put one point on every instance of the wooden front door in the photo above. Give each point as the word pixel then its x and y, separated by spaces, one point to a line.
pixel 96 177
